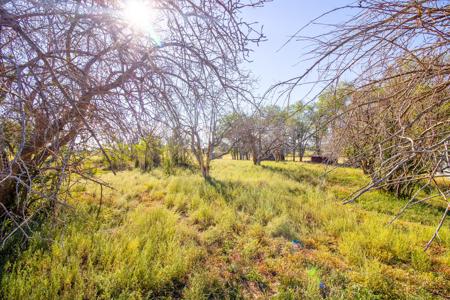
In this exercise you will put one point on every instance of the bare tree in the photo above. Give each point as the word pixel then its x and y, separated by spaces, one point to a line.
pixel 74 73
pixel 395 56
pixel 261 135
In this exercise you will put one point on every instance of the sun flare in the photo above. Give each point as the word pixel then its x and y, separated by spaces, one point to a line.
pixel 142 19
pixel 138 14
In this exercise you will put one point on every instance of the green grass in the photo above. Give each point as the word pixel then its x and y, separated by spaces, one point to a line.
pixel 178 236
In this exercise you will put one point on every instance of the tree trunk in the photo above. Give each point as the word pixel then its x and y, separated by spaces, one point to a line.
pixel 8 195
pixel 256 161
pixel 318 145
pixel 255 155
pixel 301 153
pixel 205 171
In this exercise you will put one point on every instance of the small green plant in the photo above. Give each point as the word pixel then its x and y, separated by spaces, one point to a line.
pixel 204 216
pixel 420 260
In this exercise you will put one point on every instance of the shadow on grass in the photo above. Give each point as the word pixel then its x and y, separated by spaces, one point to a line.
pixel 224 188
pixel 17 243
pixel 425 213
pixel 302 175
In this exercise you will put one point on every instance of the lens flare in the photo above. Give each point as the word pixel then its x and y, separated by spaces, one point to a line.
pixel 141 17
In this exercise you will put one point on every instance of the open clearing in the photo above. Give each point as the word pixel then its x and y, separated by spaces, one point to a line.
pixel 273 231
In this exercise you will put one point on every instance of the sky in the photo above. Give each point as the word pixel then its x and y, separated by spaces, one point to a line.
pixel 281 19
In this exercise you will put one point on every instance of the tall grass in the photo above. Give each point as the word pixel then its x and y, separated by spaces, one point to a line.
pixel 273 231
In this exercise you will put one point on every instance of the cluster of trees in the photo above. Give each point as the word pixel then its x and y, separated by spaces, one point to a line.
pixel 268 133
pixel 273 132
pixel 76 78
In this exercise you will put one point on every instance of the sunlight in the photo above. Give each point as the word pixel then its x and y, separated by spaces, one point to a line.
pixel 245 149
pixel 138 14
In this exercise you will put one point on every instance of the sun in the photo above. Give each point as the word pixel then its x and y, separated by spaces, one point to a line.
pixel 142 19
pixel 138 14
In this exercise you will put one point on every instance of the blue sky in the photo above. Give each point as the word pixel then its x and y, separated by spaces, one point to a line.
pixel 282 18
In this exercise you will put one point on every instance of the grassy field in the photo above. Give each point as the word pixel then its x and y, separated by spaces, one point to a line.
pixel 275 231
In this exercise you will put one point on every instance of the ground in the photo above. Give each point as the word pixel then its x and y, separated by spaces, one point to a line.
pixel 277 231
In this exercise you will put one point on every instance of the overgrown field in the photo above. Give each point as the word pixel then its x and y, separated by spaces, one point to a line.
pixel 275 231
